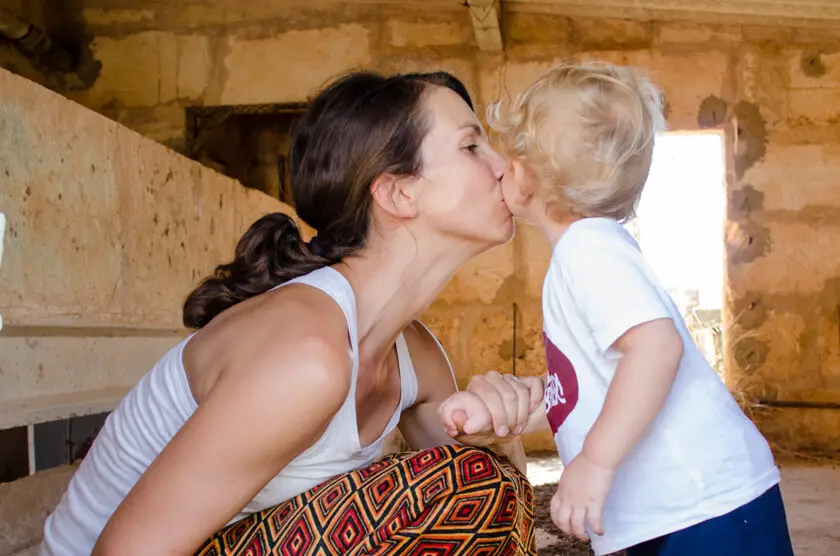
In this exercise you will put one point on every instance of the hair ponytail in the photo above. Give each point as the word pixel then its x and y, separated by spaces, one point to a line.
pixel 270 253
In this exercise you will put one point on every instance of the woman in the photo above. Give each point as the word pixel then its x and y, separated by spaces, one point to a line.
pixel 268 418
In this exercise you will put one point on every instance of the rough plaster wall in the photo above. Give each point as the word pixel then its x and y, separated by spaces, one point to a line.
pixel 107 232
pixel 778 86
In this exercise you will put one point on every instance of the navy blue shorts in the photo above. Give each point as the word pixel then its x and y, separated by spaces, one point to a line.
pixel 758 528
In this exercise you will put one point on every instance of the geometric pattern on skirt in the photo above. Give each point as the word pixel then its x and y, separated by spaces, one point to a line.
pixel 444 501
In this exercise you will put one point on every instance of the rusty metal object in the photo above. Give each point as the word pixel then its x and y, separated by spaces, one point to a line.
pixel 34 43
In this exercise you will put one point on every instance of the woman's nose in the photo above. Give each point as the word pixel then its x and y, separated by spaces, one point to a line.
pixel 499 164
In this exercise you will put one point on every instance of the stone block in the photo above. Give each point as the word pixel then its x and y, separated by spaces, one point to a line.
pixel 827 378
pixel 164 123
pixel 814 69
pixel 612 34
pixel 490 85
pixel 805 430
pixel 445 323
pixel 769 356
pixel 801 258
pixel 534 254
pixel 420 61
pixel 193 69
pixel 696 34
pixel 814 36
pixel 766 34
pixel 686 80
pixel 25 505
pixel 402 33
pixel 282 69
pixel 813 106
pixel 526 27
pixel 483 278
pixel 519 75
pixel 489 340
pixel 203 15
pixel 137 69
pixel 112 16
pixel 259 13
pixel 762 79
pixel 184 69
pixel 530 351
pixel 794 177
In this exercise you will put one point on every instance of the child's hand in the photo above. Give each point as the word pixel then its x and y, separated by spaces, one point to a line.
pixel 510 400
pixel 465 413
pixel 580 497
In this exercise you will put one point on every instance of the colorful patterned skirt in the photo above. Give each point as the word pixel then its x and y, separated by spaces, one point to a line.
pixel 443 501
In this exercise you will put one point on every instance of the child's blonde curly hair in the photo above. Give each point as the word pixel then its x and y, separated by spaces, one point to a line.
pixel 587 131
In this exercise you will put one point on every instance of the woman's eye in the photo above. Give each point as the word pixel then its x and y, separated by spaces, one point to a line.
pixel 471 148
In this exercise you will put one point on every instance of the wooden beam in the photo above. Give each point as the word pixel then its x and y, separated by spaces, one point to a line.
pixel 486 22
pixel 814 13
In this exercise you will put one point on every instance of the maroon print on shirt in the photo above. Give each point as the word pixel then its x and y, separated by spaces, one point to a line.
pixel 561 386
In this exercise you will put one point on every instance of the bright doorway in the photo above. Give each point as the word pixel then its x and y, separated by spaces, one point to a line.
pixel 680 229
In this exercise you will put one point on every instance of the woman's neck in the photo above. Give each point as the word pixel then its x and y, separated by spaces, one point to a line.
pixel 393 285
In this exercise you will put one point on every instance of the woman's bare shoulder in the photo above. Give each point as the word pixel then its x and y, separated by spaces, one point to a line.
pixel 272 337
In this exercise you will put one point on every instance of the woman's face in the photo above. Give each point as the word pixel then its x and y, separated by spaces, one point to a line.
pixel 462 195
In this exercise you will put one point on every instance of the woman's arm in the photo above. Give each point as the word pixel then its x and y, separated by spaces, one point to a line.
pixel 421 424
pixel 253 422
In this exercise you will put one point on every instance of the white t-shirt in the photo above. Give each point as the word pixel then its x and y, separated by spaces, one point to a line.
pixel 702 457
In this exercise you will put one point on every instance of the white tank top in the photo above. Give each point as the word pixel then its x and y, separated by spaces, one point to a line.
pixel 161 402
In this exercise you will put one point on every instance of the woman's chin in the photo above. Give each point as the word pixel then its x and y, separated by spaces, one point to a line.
pixel 507 231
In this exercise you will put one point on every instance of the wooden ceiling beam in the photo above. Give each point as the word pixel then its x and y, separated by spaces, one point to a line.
pixel 486 22
pixel 811 13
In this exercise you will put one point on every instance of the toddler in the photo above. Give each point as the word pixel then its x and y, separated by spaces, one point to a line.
pixel 659 457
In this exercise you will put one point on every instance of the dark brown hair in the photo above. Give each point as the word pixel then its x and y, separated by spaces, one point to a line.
pixel 358 128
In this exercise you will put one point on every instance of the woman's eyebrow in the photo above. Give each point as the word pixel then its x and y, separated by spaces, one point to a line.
pixel 474 127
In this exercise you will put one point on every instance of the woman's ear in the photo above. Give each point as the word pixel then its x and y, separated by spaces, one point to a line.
pixel 396 196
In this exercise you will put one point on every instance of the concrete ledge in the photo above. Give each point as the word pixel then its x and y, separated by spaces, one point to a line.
pixel 25 504
pixel 53 407
pixel 46 378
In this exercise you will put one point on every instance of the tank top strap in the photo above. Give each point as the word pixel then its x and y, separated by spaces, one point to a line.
pixel 408 377
pixel 335 285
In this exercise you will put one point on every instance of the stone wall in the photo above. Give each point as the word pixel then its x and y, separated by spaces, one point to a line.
pixel 775 90
pixel 107 232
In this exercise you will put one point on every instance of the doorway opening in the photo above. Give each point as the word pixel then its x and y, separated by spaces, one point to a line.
pixel 680 228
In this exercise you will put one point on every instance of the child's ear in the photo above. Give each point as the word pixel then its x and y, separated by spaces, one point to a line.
pixel 396 195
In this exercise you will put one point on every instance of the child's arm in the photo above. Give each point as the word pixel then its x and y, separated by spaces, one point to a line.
pixel 651 354
pixel 537 420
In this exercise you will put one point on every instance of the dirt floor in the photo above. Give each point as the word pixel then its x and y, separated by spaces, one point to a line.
pixel 812 501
